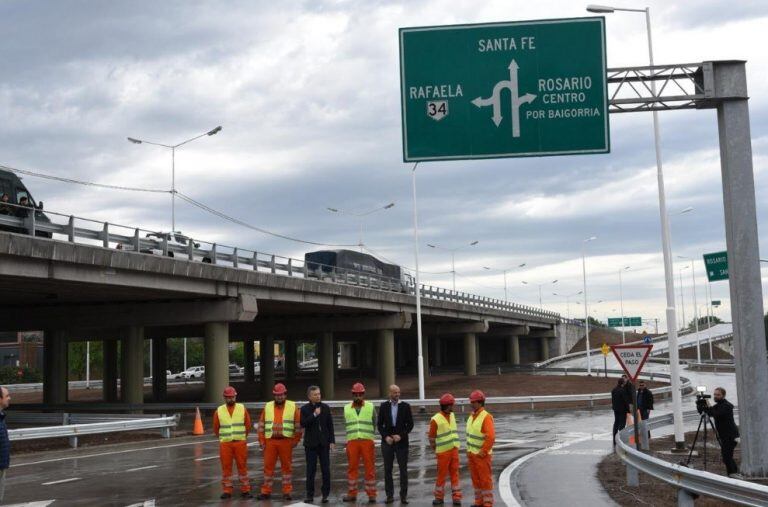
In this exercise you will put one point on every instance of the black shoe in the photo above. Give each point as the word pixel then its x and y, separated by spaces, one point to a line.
pixel 371 499
pixel 264 496
pixel 438 502
pixel 246 494
pixel 226 496
pixel 347 498
pixel 325 500
pixel 309 499
pixel 389 499
pixel 287 497
pixel 403 500
pixel 457 502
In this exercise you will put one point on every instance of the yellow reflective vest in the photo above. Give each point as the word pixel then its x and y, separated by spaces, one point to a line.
pixel 359 426
pixel 475 435
pixel 287 427
pixel 447 437
pixel 231 427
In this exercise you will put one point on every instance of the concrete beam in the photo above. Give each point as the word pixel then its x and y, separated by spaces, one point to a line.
pixel 162 313
pixel 386 348
pixel 132 381
pixel 438 328
pixel 335 324
pixel 542 333
pixel 55 367
pixel 267 366
pixel 216 360
pixel 509 331
pixel 325 362
pixel 109 384
pixel 470 354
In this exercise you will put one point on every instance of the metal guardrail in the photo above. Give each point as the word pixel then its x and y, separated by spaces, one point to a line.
pixel 109 235
pixel 688 480
pixel 57 418
pixel 73 431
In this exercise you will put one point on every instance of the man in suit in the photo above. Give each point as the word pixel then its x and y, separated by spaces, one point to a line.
pixel 395 421
pixel 644 400
pixel 319 440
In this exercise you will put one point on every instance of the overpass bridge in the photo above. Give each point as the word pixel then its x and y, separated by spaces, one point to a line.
pixel 90 281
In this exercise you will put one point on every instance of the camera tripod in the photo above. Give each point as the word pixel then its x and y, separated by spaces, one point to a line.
pixel 704 420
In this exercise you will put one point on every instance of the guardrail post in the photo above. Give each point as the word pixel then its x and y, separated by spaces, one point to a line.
pixel 71 229
pixel 105 235
pixel 255 261
pixel 633 477
pixel 591 402
pixel 73 442
pixel 290 267
pixel 136 241
pixel 190 249
pixel 165 245
pixel 304 270
pixel 684 498
pixel 31 221
pixel 234 258
pixel 272 264
pixel 213 254
pixel 644 444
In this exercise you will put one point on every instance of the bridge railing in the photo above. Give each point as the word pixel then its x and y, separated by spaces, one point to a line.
pixel 75 229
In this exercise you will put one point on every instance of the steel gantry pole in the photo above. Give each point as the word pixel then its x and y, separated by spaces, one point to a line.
pixel 420 361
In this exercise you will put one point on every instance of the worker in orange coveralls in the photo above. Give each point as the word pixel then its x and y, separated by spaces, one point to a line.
pixel 360 421
pixel 231 424
pixel 279 432
pixel 481 436
pixel 444 440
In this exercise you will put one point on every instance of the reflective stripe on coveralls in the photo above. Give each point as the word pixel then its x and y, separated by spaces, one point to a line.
pixel 286 428
pixel 231 428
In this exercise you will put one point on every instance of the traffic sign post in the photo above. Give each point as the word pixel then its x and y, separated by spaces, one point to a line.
pixel 528 88
pixel 632 358
pixel 716 265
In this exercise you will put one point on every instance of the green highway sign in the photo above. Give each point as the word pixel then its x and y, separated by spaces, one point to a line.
pixel 528 88
pixel 716 302
pixel 716 265
pixel 628 322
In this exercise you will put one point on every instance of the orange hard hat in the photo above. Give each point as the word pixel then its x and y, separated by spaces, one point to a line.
pixel 358 388
pixel 279 389
pixel 229 392
pixel 477 395
pixel 447 399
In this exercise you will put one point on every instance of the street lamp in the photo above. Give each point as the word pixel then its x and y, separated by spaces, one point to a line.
pixel 173 147
pixel 586 309
pixel 540 285
pixel 621 302
pixel 361 216
pixel 505 271
pixel 695 307
pixel 666 240
pixel 567 302
pixel 682 300
pixel 453 257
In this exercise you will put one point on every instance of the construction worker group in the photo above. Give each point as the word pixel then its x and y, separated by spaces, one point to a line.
pixel 281 425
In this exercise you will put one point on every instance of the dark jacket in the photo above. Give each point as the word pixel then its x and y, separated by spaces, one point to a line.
pixel 5 444
pixel 620 400
pixel 722 413
pixel 402 426
pixel 644 399
pixel 318 430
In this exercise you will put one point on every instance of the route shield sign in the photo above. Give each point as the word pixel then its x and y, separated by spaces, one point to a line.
pixel 717 266
pixel 631 358
pixel 605 349
pixel 528 88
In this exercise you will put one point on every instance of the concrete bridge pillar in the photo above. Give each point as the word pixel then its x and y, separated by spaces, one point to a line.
pixel 290 359
pixel 216 360
pixel 424 354
pixel 470 354
pixel 402 353
pixel 55 367
pixel 437 352
pixel 159 366
pixel 267 366
pixel 109 384
pixel 544 348
pixel 249 357
pixel 132 375
pixel 513 349
pixel 326 357
pixel 386 349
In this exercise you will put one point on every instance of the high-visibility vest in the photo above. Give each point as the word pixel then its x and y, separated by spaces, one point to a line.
pixel 231 427
pixel 475 435
pixel 287 427
pixel 447 437
pixel 359 426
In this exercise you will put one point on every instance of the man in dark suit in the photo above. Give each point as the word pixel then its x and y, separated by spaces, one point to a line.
pixel 319 440
pixel 644 400
pixel 394 423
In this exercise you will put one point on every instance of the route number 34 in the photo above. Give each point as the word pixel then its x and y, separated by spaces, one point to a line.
pixel 437 110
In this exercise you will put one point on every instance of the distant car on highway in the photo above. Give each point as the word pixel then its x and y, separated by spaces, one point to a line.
pixel 235 370
pixel 173 376
pixel 193 372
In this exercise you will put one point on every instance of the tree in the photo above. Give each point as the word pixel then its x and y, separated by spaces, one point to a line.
pixel 703 322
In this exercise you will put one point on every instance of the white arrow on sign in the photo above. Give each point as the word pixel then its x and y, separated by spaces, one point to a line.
pixel 631 358
pixel 495 99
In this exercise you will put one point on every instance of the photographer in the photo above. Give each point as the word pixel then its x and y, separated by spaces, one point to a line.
pixel 728 432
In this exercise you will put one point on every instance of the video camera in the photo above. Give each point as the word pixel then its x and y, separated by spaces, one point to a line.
pixel 701 398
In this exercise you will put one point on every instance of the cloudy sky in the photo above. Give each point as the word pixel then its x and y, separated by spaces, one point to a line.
pixel 308 97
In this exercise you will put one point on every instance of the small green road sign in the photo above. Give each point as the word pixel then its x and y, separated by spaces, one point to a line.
pixel 717 266
pixel 635 321
pixel 528 88
pixel 716 302
pixel 628 322
pixel 614 322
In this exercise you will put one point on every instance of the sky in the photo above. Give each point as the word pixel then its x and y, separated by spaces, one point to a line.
pixel 307 94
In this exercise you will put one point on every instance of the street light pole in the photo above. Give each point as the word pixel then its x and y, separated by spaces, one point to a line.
pixel 453 257
pixel 567 302
pixel 621 303
pixel 682 298
pixel 666 240
pixel 505 271
pixel 361 217
pixel 695 308
pixel 584 289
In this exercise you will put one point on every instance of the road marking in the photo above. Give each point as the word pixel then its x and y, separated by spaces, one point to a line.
pixel 145 503
pixel 123 451
pixel 62 481
pixel 206 458
pixel 142 468
pixel 41 503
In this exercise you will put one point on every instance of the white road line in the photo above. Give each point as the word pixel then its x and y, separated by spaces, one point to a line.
pixel 505 483
pixel 206 458
pixel 41 503
pixel 142 468
pixel 123 451
pixel 71 479
pixel 145 503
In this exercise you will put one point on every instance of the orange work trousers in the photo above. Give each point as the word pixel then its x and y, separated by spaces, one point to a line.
pixel 282 448
pixel 236 450
pixel 448 463
pixel 482 479
pixel 365 450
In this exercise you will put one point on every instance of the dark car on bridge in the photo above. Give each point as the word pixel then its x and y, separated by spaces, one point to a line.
pixel 355 267
pixel 11 212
